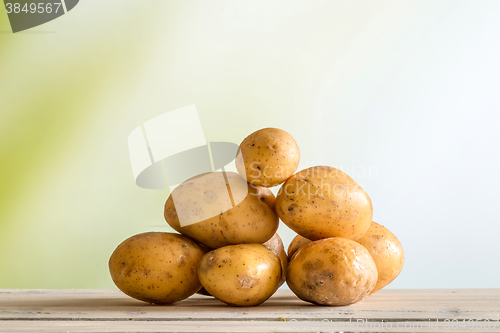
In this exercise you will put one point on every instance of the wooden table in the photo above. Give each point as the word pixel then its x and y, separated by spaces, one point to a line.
pixel 386 311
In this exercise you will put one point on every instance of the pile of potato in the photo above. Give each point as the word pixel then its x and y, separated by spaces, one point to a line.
pixel 228 246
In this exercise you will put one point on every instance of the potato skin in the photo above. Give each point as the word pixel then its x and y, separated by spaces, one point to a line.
pixel 296 243
pixel 241 275
pixel 267 157
pixel 334 271
pixel 275 244
pixel 250 220
pixel 322 202
pixel 157 267
pixel 266 196
pixel 386 251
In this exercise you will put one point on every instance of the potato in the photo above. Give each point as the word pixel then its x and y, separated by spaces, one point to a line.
pixel 296 244
pixel 241 275
pixel 157 267
pixel 275 244
pixel 223 209
pixel 333 271
pixel 267 157
pixel 386 251
pixel 266 196
pixel 322 202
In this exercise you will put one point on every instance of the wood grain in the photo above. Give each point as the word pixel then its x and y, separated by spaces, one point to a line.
pixel 112 311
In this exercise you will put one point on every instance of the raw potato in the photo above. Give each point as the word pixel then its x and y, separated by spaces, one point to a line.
pixel 266 196
pixel 157 267
pixel 296 244
pixel 268 157
pixel 322 202
pixel 275 244
pixel 386 251
pixel 241 275
pixel 333 271
pixel 227 210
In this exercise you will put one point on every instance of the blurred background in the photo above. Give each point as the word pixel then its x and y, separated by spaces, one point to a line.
pixel 401 95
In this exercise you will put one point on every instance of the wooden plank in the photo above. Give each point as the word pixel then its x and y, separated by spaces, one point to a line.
pixel 203 326
pixel 112 311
